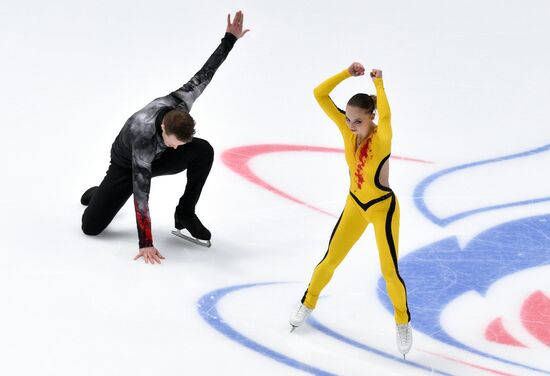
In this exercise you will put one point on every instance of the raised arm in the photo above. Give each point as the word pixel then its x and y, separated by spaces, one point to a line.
pixel 384 113
pixel 322 92
pixel 189 92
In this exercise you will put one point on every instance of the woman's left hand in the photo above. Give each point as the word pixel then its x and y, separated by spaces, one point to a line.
pixel 376 73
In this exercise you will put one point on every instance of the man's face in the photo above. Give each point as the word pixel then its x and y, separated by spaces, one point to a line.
pixel 171 141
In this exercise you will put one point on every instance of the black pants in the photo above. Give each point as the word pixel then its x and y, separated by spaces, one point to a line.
pixel 196 157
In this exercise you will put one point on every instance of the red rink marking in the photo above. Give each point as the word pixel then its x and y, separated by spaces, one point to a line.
pixel 238 159
pixel 496 332
pixel 535 316
pixel 468 364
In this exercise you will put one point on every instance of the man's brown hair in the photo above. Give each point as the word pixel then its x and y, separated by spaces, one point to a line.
pixel 180 124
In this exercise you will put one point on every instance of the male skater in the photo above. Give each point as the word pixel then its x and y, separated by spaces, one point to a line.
pixel 158 140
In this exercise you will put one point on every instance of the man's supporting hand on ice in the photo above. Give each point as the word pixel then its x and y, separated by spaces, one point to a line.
pixel 150 254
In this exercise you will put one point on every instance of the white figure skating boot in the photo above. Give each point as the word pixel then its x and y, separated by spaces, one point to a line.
pixel 298 317
pixel 404 338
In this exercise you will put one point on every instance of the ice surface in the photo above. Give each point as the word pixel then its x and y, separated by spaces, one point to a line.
pixel 467 82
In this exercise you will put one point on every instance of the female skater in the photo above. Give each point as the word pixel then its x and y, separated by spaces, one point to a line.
pixel 367 151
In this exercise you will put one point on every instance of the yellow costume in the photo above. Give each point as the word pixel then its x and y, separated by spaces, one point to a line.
pixel 368 201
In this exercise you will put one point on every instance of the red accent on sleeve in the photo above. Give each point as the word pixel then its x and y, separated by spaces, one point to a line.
pixel 143 227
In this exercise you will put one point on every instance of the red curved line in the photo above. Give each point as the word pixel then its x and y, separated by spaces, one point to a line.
pixel 467 363
pixel 238 159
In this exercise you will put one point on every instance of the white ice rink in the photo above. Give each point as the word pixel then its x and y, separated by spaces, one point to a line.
pixel 469 88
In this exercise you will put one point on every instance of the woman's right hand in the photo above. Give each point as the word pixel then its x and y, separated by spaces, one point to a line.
pixel 356 69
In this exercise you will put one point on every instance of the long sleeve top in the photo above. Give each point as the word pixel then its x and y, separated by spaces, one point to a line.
pixel 364 162
pixel 140 141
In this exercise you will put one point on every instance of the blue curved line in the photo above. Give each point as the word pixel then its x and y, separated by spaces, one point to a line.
pixel 331 333
pixel 207 307
pixel 468 213
pixel 419 191
pixel 208 310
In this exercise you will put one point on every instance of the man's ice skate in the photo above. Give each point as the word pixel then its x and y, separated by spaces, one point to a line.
pixel 297 318
pixel 404 338
pixel 198 234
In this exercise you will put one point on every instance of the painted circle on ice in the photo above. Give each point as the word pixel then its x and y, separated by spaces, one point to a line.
pixel 436 274
pixel 441 272
pixel 419 194
pixel 208 310
pixel 238 160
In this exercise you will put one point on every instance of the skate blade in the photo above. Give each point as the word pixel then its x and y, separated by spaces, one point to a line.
pixel 292 327
pixel 202 243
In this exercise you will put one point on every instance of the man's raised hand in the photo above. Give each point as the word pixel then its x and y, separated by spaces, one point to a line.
pixel 236 27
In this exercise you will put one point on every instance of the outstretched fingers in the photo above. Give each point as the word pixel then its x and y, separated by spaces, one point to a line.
pixel 235 26
pixel 150 257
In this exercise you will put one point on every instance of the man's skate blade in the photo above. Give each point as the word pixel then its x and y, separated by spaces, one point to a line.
pixel 292 327
pixel 202 243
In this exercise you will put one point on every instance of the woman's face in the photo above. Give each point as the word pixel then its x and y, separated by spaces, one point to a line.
pixel 359 120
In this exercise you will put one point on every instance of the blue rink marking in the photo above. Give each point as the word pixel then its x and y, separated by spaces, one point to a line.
pixel 441 255
pixel 440 272
pixel 208 310
pixel 207 307
pixel 420 190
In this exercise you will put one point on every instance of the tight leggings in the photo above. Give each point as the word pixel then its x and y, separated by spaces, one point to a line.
pixel 383 213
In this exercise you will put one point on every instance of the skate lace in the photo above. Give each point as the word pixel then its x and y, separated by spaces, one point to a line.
pixel 403 333
pixel 303 311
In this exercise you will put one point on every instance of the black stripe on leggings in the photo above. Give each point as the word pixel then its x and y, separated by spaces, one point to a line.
pixel 391 244
pixel 371 202
pixel 325 256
